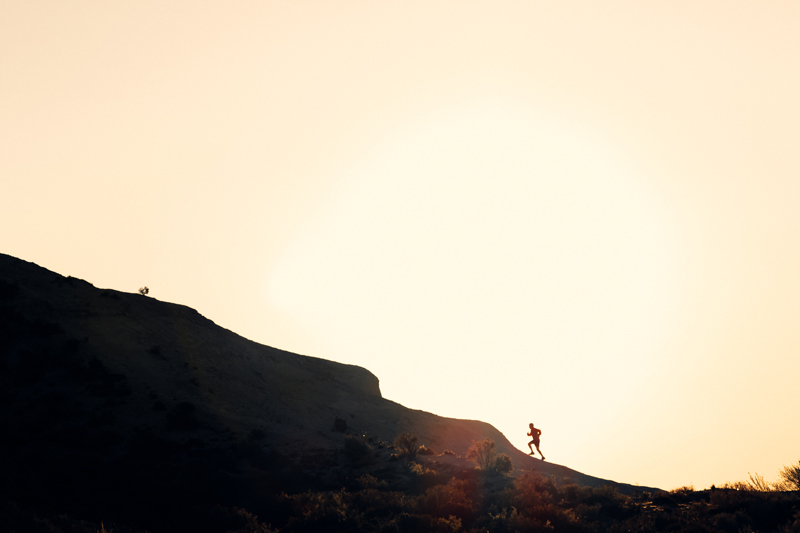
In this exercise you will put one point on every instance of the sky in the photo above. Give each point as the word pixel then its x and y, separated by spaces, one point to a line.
pixel 582 215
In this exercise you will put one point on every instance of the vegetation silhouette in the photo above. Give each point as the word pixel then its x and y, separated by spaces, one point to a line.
pixel 357 451
pixel 485 454
pixel 788 480
pixel 790 477
pixel 406 445
pixel 86 446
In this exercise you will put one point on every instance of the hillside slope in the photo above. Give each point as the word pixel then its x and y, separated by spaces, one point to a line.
pixel 98 383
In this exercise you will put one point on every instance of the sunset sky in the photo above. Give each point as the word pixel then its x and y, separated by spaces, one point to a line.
pixel 584 215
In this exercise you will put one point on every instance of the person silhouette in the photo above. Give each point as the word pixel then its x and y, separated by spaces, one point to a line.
pixel 534 434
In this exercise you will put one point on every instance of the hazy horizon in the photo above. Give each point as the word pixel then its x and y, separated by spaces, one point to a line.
pixel 582 216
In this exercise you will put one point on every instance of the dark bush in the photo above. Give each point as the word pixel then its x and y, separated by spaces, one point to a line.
pixel 356 450
pixel 457 498
pixel 502 464
pixel 424 450
pixel 790 476
pixel 406 445
pixel 485 454
pixel 321 511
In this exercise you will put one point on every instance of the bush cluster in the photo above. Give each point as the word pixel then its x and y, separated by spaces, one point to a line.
pixel 406 445
pixel 485 454
pixel 533 503
pixel 357 451
pixel 788 479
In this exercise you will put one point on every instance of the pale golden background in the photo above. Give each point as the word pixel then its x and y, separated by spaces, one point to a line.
pixel 581 214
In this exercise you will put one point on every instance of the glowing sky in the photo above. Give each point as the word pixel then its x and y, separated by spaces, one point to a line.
pixel 583 215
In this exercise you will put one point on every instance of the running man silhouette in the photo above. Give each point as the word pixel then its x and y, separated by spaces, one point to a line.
pixel 534 434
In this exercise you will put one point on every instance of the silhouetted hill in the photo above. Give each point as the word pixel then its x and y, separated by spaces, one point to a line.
pixel 117 404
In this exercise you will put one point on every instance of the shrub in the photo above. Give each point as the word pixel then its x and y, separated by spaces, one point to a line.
pixel 368 481
pixel 789 480
pixel 757 483
pixel 736 485
pixel 321 511
pixel 406 444
pixel 485 454
pixel 534 489
pixel 457 498
pixel 424 450
pixel 790 477
pixel 356 450
pixel 503 464
pixel 683 491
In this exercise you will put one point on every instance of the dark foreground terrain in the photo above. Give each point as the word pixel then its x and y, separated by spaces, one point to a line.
pixel 119 412
pixel 378 494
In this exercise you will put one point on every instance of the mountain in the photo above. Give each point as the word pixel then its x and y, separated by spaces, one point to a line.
pixel 113 399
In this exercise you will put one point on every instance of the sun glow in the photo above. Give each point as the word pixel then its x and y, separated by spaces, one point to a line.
pixel 490 253
pixel 583 216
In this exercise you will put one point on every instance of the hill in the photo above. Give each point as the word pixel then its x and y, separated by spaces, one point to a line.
pixel 117 404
